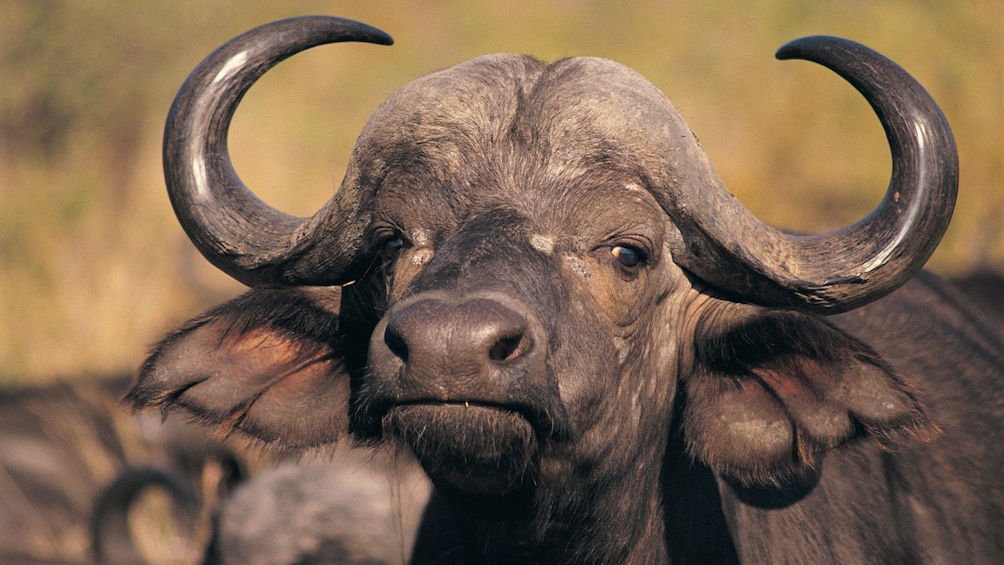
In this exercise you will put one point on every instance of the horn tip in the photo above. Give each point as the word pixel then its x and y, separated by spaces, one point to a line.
pixel 803 47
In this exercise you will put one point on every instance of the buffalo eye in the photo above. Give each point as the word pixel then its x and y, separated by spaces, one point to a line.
pixel 627 256
pixel 394 244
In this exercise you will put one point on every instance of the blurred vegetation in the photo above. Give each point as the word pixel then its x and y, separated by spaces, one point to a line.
pixel 93 266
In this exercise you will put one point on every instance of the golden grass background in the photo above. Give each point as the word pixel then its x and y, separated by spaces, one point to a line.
pixel 94 268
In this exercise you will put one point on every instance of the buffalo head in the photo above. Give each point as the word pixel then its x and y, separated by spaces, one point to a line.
pixel 532 277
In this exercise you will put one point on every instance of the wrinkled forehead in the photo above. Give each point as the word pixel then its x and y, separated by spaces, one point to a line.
pixel 570 112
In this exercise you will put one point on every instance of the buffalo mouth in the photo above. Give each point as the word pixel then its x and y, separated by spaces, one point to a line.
pixel 477 448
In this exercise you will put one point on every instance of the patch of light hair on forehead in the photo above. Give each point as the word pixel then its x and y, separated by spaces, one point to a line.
pixel 419 237
pixel 542 243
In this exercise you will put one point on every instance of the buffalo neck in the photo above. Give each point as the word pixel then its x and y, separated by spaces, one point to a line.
pixel 579 520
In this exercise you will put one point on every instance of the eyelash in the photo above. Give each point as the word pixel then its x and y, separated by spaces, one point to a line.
pixel 390 241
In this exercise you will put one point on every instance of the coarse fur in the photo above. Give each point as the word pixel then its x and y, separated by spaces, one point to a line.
pixel 576 396
pixel 358 509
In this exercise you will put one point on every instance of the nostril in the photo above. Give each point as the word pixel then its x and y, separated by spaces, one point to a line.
pixel 395 342
pixel 507 348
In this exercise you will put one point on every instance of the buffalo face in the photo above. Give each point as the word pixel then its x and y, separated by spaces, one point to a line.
pixel 523 294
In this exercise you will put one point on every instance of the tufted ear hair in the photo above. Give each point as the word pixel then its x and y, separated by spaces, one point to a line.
pixel 267 365
pixel 773 390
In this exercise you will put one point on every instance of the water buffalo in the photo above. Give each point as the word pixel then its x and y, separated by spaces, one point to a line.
pixel 62 446
pixel 532 278
pixel 359 509
pixel 984 287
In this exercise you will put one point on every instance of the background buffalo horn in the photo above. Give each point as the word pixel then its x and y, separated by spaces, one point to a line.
pixel 237 232
pixel 726 246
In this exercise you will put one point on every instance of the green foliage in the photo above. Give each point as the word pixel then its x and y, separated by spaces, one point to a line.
pixel 93 266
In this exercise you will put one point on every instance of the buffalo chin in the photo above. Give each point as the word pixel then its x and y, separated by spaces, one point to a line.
pixel 479 450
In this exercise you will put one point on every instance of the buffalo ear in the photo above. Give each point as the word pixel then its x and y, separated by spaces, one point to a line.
pixel 773 391
pixel 267 365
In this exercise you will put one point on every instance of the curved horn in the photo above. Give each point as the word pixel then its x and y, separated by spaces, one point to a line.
pixel 841 270
pixel 234 230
